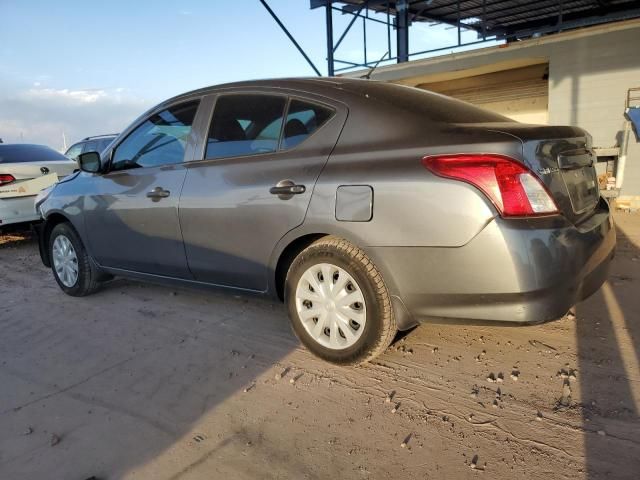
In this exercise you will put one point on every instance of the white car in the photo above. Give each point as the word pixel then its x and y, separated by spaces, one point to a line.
pixel 20 164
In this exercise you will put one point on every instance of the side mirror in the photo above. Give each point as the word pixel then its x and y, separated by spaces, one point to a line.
pixel 89 162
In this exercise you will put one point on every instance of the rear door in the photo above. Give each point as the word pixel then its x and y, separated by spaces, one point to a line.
pixel 252 181
pixel 132 213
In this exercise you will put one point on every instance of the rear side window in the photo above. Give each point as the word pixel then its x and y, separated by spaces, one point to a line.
pixel 160 140
pixel 245 125
pixel 91 146
pixel 303 119
pixel 103 143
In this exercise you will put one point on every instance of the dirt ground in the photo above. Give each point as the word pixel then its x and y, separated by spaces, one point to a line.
pixel 141 381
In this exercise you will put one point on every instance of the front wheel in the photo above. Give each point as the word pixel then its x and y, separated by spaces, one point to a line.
pixel 70 262
pixel 338 303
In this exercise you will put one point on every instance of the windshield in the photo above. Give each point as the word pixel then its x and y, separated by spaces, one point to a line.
pixel 21 153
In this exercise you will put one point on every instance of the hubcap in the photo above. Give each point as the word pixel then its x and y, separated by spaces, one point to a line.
pixel 65 261
pixel 331 306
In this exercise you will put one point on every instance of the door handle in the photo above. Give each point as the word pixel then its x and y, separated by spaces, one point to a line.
pixel 158 193
pixel 288 189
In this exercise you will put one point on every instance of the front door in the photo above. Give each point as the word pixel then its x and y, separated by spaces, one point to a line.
pixel 252 183
pixel 132 219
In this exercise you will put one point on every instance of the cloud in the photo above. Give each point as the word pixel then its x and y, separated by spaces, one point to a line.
pixel 81 96
pixel 42 115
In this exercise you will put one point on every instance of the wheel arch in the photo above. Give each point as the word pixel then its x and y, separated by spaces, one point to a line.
pixel 50 222
pixel 295 245
pixel 286 257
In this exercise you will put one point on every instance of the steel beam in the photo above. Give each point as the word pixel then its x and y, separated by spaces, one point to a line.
pixel 402 30
pixel 330 62
pixel 346 30
pixel 293 40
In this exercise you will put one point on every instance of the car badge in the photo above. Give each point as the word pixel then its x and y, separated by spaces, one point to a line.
pixel 548 170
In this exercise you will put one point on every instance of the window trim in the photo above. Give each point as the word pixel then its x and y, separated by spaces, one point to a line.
pixel 132 128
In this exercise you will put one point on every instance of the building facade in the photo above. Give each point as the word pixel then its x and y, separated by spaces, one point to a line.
pixel 580 77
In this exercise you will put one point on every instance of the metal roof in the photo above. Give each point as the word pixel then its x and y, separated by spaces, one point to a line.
pixel 503 18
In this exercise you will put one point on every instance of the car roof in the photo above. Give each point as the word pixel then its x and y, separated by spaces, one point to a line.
pixel 403 103
pixel 24 146
pixel 318 85
pixel 98 137
pixel 12 149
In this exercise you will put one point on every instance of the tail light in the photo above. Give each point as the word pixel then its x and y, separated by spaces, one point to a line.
pixel 513 188
pixel 6 178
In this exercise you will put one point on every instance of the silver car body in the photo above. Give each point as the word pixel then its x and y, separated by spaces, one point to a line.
pixel 442 247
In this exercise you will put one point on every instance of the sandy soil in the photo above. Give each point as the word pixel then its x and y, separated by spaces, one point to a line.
pixel 141 381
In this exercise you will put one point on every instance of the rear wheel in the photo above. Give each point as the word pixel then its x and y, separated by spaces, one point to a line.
pixel 71 265
pixel 338 304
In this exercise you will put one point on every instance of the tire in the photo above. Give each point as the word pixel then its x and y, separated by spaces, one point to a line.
pixel 86 281
pixel 370 325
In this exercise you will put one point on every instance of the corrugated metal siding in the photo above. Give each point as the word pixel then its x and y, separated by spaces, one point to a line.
pixel 521 94
pixel 500 93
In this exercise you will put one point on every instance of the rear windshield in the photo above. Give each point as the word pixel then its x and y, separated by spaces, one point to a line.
pixel 28 153
pixel 436 107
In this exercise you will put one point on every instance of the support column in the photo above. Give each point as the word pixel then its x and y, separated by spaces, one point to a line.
pixel 402 30
pixel 329 17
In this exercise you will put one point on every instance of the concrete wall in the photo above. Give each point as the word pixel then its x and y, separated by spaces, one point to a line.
pixel 588 82
pixel 590 71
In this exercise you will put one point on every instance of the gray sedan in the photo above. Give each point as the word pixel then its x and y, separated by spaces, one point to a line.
pixel 366 207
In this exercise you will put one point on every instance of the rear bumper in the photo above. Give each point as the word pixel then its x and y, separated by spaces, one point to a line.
pixel 518 271
pixel 17 210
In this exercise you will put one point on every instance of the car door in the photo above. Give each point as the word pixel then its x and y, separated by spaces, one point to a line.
pixel 132 213
pixel 251 182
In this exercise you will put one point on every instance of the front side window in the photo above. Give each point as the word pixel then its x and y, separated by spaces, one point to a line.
pixel 245 125
pixel 159 140
pixel 302 120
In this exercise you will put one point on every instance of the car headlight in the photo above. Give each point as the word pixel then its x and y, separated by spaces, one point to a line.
pixel 42 196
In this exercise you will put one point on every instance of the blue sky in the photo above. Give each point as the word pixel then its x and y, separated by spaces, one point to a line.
pixel 89 67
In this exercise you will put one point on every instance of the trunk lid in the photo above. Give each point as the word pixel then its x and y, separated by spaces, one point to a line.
pixel 563 159
pixel 29 170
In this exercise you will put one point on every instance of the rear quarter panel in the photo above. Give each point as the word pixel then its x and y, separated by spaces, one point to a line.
pixel 411 206
pixel 383 148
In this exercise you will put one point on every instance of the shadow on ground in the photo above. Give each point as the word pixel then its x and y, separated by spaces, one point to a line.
pixel 141 381
pixel 121 375
pixel 608 338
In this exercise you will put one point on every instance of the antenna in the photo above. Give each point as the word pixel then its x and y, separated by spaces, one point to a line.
pixel 368 74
